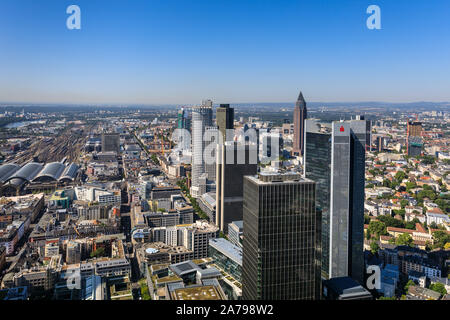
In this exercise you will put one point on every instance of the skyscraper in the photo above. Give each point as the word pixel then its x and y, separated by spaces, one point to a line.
pixel 212 134
pixel 234 162
pixel 414 142
pixel 225 119
pixel 110 142
pixel 201 118
pixel 183 120
pixel 300 114
pixel 184 124
pixel 317 159
pixel 281 238
pixel 335 159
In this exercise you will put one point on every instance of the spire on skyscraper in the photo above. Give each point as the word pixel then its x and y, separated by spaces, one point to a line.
pixel 300 98
pixel 300 114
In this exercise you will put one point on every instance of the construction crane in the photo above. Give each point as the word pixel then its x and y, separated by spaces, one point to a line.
pixel 76 230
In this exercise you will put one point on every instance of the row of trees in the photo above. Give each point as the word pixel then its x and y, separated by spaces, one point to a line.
pixel 195 206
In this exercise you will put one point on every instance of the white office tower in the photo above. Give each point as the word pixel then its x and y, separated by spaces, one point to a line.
pixel 201 118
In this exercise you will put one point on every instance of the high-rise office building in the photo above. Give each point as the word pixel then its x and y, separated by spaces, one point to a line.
pixel 335 159
pixel 234 162
pixel 414 142
pixel 110 142
pixel 183 120
pixel 201 118
pixel 380 143
pixel 368 135
pixel 317 159
pixel 414 129
pixel 184 125
pixel 211 152
pixel 225 120
pixel 270 144
pixel 281 259
pixel 300 114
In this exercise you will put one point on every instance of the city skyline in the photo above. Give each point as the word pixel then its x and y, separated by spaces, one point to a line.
pixel 152 150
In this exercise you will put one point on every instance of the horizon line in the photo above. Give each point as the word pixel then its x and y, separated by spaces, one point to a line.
pixel 113 104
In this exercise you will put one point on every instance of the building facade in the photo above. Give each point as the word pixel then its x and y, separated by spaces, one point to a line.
pixel 201 118
pixel 281 259
pixel 335 159
pixel 234 162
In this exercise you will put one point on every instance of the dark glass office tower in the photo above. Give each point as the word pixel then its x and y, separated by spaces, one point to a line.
pixel 335 159
pixel 358 142
pixel 234 162
pixel 318 168
pixel 281 258
pixel 225 119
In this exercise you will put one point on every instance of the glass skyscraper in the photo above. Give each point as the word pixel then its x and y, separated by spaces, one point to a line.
pixel 335 159
pixel 281 258
pixel 201 118
pixel 233 163
pixel 317 158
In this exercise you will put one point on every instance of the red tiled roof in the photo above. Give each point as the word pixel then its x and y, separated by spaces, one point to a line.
pixel 420 228
pixel 435 210
pixel 393 229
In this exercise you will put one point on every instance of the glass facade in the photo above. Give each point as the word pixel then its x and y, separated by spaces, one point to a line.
pixel 340 201
pixel 318 146
pixel 281 248
pixel 359 140
pixel 335 160
pixel 230 266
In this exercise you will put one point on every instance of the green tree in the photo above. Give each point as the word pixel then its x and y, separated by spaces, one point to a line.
pixel 387 298
pixel 409 284
pixel 155 159
pixel 404 239
pixel 400 176
pixel 391 222
pixel 374 247
pixel 438 287
pixel 428 160
pixel 404 203
pixel 145 293
pixel 441 239
pixel 377 227
pixel 410 225
pixel 100 252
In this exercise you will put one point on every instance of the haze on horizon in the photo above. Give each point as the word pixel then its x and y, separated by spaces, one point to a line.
pixel 180 52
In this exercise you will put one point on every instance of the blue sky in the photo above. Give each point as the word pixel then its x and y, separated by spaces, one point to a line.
pixel 182 51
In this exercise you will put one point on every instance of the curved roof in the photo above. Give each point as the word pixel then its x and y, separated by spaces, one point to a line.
pixel 7 170
pixel 51 170
pixel 70 172
pixel 25 174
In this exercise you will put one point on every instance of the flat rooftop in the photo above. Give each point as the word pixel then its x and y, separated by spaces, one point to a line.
pixel 264 178
pixel 196 293
pixel 228 249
